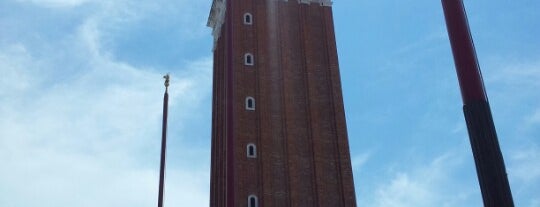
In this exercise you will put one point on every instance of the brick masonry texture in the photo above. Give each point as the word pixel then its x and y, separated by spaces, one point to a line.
pixel 298 125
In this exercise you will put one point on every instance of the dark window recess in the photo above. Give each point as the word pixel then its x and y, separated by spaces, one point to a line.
pixel 252 202
pixel 251 151
pixel 247 19
pixel 249 59
pixel 250 103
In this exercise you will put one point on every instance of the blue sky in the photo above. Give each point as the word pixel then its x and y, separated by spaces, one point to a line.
pixel 81 91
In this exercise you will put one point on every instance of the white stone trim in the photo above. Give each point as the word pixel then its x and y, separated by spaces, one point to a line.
pixel 250 22
pixel 256 200
pixel 320 2
pixel 248 99
pixel 217 18
pixel 217 14
pixel 251 58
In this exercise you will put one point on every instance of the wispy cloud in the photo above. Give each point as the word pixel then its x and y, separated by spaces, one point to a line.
pixel 534 118
pixel 95 132
pixel 80 127
pixel 359 160
pixel 55 3
pixel 429 185
pixel 513 72
pixel 524 165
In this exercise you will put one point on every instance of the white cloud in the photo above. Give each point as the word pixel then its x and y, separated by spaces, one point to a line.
pixel 515 73
pixel 534 118
pixel 524 164
pixel 514 83
pixel 87 141
pixel 429 185
pixel 359 160
pixel 56 3
pixel 79 128
pixel 15 76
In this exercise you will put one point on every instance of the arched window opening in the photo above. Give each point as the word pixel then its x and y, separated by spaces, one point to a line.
pixel 252 201
pixel 250 103
pixel 248 19
pixel 251 151
pixel 248 59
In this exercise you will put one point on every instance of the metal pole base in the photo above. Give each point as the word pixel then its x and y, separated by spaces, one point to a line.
pixel 487 155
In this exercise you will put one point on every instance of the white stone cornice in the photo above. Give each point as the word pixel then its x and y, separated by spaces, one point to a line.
pixel 217 14
pixel 320 2
pixel 217 18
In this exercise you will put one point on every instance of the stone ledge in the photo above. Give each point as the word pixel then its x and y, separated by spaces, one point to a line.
pixel 217 14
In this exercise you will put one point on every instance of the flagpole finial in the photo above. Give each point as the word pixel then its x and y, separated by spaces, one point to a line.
pixel 167 79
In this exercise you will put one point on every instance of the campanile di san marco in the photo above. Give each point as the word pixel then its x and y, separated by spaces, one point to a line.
pixel 279 136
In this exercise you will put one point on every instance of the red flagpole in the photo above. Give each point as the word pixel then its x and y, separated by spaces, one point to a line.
pixel 163 141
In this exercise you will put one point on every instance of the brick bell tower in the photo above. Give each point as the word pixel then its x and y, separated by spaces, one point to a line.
pixel 279 137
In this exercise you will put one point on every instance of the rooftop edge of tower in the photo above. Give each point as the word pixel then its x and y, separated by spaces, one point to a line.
pixel 216 18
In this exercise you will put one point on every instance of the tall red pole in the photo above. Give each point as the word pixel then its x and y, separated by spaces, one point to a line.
pixel 484 142
pixel 163 142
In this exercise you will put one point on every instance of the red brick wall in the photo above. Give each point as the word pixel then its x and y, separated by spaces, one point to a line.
pixel 299 122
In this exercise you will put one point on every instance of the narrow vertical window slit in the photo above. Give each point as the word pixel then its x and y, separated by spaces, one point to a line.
pixel 248 59
pixel 248 19
pixel 250 103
